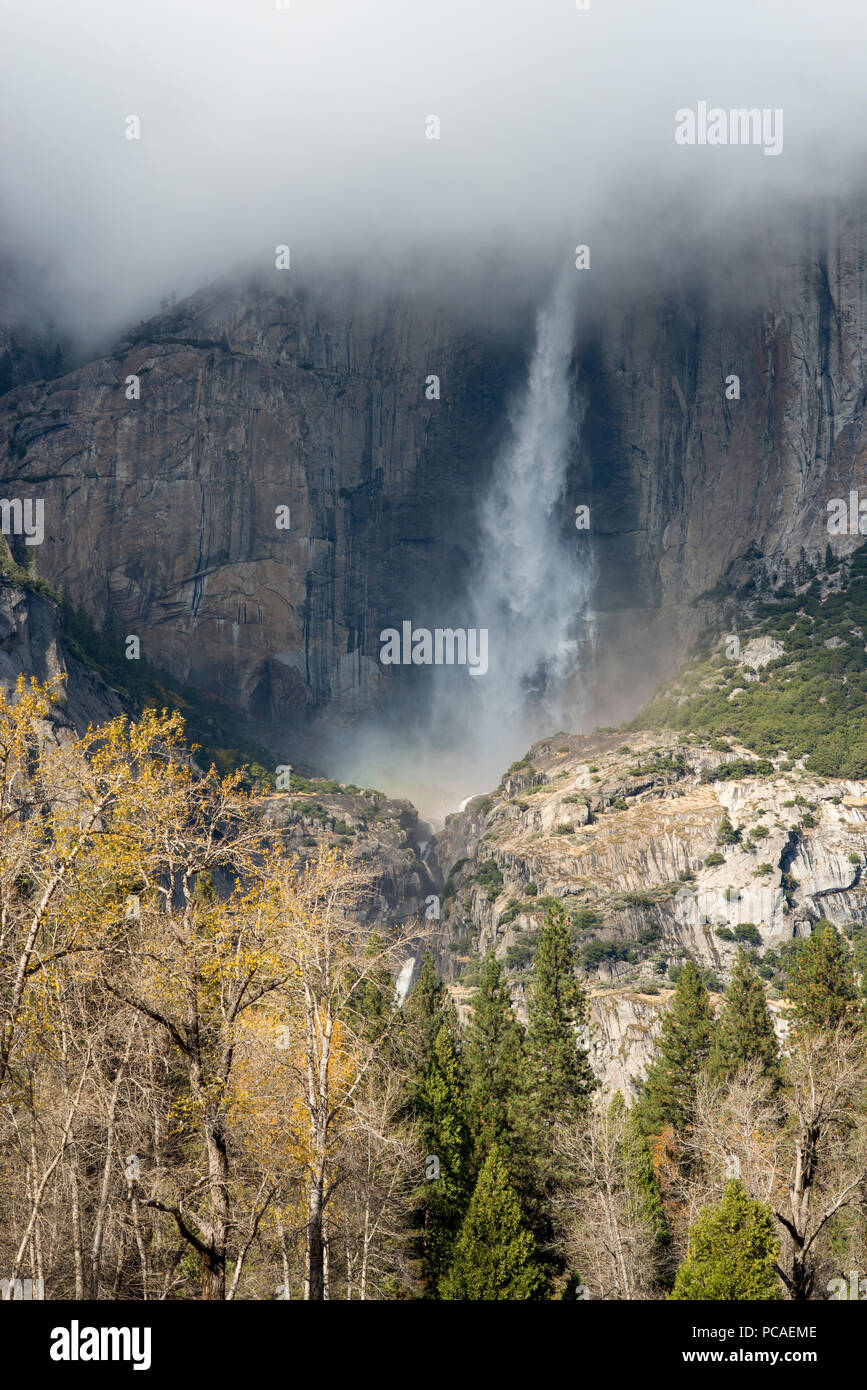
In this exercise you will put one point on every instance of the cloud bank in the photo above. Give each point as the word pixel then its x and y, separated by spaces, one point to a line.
pixel 307 125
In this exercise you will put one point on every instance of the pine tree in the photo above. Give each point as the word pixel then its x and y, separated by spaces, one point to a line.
pixel 559 1077
pixel 640 1174
pixel 681 1052
pixel 744 1031
pixel 822 983
pixel 425 1003
pixel 426 1009
pixel 441 1106
pixel 733 1251
pixel 726 834
pixel 495 1063
pixel 373 999
pixel 495 1255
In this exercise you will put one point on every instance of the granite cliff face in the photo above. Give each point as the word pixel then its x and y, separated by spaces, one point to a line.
pixel 31 645
pixel 690 486
pixel 381 835
pixel 161 512
pixel 628 837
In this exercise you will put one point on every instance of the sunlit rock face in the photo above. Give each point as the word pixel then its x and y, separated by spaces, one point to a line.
pixel 632 851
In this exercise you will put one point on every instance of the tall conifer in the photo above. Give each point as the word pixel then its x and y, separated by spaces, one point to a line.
pixel 681 1052
pixel 495 1070
pixel 559 1076
pixel 441 1106
pixel 495 1254
pixel 426 1009
pixel 822 982
pixel 744 1031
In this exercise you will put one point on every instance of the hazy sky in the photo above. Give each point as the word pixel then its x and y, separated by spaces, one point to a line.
pixel 306 126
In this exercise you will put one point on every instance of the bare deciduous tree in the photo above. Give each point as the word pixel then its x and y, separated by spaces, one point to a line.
pixel 608 1239
pixel 805 1152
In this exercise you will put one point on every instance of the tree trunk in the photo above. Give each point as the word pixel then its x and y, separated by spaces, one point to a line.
pixel 77 1252
pixel 105 1184
pixel 213 1275
pixel 144 1263
pixel 284 1257
pixel 802 1279
pixel 214 1258
pixel 315 1247
pixel 365 1250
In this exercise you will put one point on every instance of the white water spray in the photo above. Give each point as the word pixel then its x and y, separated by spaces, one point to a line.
pixel 533 580
pixel 404 980
pixel 531 587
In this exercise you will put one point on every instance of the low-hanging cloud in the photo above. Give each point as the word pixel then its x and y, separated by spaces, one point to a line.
pixel 306 125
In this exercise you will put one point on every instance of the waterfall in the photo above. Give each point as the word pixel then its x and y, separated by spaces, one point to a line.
pixel 533 578
pixel 404 980
pixel 530 586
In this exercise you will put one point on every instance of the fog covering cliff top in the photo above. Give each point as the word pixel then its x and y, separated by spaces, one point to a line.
pixel 305 125
pixel 453 151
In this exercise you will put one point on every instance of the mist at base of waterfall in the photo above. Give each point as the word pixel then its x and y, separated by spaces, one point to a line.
pixel 531 585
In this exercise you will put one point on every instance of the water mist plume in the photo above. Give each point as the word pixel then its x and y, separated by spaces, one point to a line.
pixel 531 586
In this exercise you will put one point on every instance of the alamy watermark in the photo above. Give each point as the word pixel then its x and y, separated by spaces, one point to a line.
pixel 855 1289
pixel 848 519
pixel 445 646
pixel 23 517
pixel 738 126
pixel 77 1343
pixel 21 1290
